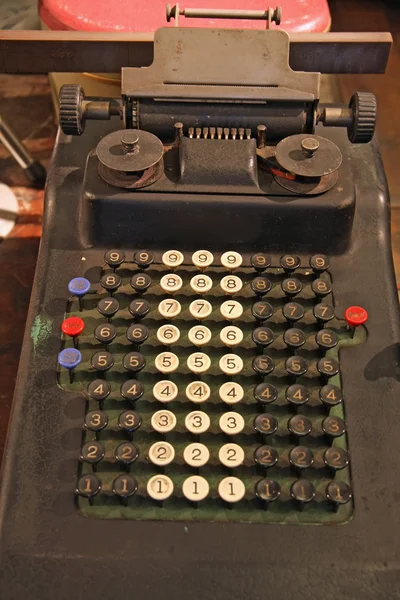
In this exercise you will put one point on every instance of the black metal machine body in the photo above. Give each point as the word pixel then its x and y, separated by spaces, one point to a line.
pixel 222 149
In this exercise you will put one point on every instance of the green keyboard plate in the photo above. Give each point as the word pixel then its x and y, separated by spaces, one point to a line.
pixel 177 507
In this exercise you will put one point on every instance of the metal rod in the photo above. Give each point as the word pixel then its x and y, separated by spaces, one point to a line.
pixel 33 169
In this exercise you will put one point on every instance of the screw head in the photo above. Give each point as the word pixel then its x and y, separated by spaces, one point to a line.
pixel 309 146
pixel 129 141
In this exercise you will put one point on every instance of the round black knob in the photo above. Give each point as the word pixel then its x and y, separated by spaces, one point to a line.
pixel 364 108
pixel 70 104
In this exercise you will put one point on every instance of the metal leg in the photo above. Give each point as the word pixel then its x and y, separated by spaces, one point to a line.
pixel 34 171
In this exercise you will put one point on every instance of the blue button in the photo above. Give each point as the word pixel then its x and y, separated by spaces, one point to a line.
pixel 69 358
pixel 79 286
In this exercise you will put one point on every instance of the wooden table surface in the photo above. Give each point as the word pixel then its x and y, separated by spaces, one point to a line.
pixel 25 102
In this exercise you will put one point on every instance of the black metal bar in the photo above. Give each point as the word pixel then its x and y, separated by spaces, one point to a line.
pixel 23 52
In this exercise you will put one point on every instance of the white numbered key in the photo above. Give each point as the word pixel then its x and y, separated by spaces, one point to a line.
pixel 231 336
pixel 202 259
pixel 231 455
pixel 171 282
pixel 172 258
pixel 201 284
pixel 169 308
pixel 231 260
pixel 161 453
pixel 231 284
pixel 200 309
pixel 165 391
pixel 197 422
pixel 231 489
pixel 198 362
pixel 231 364
pixel 195 488
pixel 167 362
pixel 199 335
pixel 160 487
pixel 163 421
pixel 168 334
pixel 198 392
pixel 196 455
pixel 231 423
pixel 231 310
pixel 231 392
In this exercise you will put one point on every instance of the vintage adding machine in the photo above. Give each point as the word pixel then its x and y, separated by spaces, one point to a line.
pixel 207 401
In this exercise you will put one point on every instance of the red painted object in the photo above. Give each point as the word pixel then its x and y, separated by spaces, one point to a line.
pixel 73 326
pixel 355 316
pixel 128 15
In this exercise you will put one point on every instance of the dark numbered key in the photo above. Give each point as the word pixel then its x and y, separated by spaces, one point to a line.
pixel 105 333
pixel 321 287
pixel 143 258
pixel 263 336
pixel 267 490
pixel 333 426
pixel 302 491
pixel 102 361
pixel 289 262
pixel 92 452
pixel 99 389
pixel 330 395
pixel 114 258
pixel 326 339
pixel 139 308
pixel 299 425
pixel 129 421
pixel 124 486
pixel 265 424
pixel 261 285
pixel 323 313
pixel 328 367
pixel 294 338
pixel 319 263
pixel 108 307
pixel 301 457
pixel 134 361
pixel 111 282
pixel 263 364
pixel 296 366
pixel 132 390
pixel 96 420
pixel 265 393
pixel 260 261
pixel 338 492
pixel 137 334
pixel 262 310
pixel 88 486
pixel 140 282
pixel 127 453
pixel 297 395
pixel 291 286
pixel 266 456
pixel 293 311
pixel 336 458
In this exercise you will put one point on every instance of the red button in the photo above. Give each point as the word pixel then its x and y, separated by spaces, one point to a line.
pixel 355 315
pixel 72 326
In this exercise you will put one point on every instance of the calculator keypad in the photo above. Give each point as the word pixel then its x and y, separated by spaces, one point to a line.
pixel 213 389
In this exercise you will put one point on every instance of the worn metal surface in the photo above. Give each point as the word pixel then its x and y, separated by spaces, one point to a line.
pixel 293 157
pixel 72 51
pixel 204 61
pixel 112 153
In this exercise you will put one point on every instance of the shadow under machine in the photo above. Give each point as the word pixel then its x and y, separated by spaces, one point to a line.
pixel 207 396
